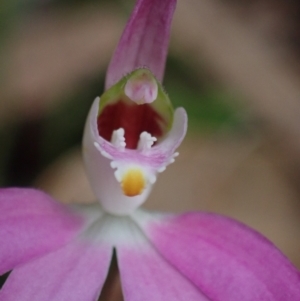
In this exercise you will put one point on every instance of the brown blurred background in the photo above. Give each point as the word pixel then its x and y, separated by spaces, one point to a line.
pixel 234 65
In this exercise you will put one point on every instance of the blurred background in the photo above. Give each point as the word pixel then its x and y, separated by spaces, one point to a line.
pixel 234 65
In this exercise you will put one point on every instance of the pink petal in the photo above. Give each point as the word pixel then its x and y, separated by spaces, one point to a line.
pixel 144 42
pixel 145 275
pixel 225 259
pixel 76 272
pixel 31 224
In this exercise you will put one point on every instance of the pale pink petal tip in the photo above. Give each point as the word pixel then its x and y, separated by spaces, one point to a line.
pixel 144 42
pixel 75 272
pixel 32 224
pixel 226 260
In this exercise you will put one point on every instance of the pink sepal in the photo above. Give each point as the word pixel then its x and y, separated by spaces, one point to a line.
pixel 32 224
pixel 225 259
pixel 144 42
pixel 75 272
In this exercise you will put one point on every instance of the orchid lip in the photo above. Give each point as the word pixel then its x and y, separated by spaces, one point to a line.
pixel 108 161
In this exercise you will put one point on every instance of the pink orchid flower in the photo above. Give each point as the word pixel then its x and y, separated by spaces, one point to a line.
pixel 63 253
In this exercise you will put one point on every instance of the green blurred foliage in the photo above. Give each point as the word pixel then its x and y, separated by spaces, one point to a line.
pixel 210 107
pixel 63 128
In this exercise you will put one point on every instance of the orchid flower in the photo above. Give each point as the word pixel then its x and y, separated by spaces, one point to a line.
pixel 59 252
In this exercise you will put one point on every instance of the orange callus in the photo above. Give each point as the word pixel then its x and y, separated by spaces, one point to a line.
pixel 133 182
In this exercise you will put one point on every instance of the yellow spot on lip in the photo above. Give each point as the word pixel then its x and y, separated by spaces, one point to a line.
pixel 133 182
